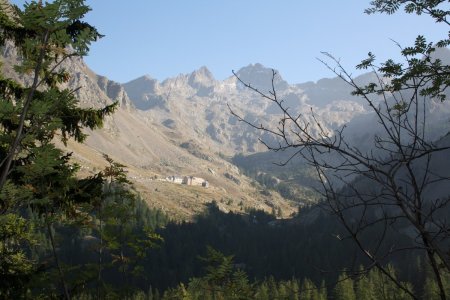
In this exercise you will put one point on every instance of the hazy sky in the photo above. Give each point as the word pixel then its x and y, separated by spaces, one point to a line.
pixel 163 38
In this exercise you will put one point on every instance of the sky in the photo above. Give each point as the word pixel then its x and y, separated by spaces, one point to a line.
pixel 163 38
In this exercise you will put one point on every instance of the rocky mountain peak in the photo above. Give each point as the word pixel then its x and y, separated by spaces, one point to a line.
pixel 202 73
pixel 145 83
pixel 141 85
pixel 260 77
pixel 202 80
pixel 114 91
pixel 144 93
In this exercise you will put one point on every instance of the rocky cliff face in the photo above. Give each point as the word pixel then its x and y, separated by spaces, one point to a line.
pixel 199 105
pixel 145 93
pixel 114 91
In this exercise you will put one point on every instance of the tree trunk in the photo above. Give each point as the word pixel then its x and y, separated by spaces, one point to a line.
pixel 58 265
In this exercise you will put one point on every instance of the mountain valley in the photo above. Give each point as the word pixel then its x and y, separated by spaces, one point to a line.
pixel 243 187
pixel 183 126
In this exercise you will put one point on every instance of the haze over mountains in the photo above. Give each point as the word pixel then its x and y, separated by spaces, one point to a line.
pixel 198 104
pixel 183 126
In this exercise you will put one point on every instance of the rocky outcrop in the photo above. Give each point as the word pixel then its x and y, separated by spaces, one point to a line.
pixel 145 94
pixel 114 91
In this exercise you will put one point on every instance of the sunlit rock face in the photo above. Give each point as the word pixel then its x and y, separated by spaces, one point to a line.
pixel 202 105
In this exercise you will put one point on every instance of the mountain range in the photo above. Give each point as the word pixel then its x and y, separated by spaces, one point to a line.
pixel 183 126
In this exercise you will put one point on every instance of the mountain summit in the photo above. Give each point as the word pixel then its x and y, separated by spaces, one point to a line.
pixel 143 91
pixel 202 80
pixel 260 77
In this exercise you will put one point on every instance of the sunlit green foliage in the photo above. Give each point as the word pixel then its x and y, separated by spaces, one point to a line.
pixel 39 188
pixel 420 67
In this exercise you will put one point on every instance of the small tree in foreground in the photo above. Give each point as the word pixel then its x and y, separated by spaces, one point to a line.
pixel 389 186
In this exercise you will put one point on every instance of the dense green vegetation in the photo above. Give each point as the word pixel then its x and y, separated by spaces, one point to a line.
pixel 265 258
pixel 222 282
pixel 264 247
pixel 101 257
pixel 42 200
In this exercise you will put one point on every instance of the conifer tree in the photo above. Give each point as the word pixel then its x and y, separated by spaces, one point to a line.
pixel 33 172
pixel 222 280
pixel 385 288
pixel 308 290
pixel 294 289
pixel 344 288
pixel 120 234
pixel 364 288
pixel 431 290
pixel 262 292
pixel 323 291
